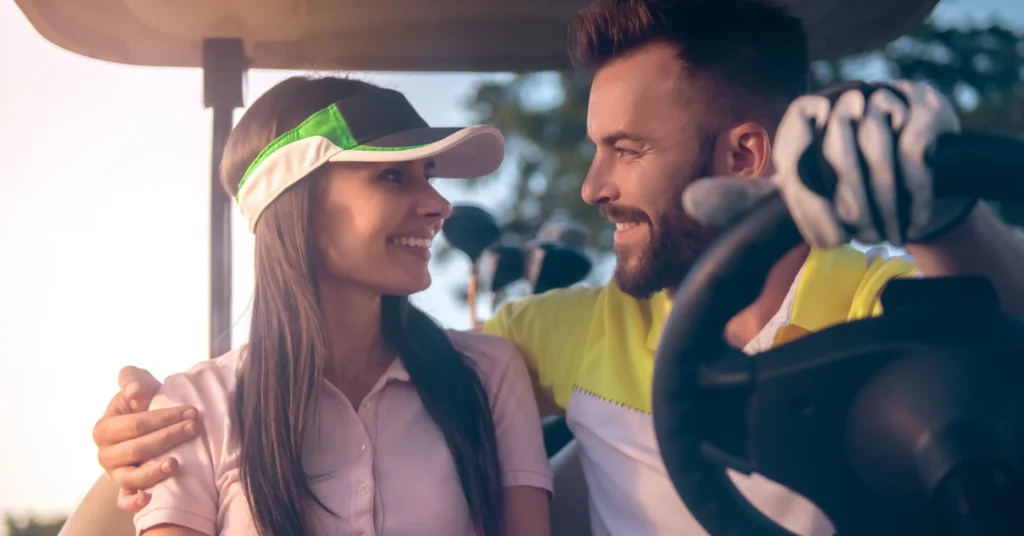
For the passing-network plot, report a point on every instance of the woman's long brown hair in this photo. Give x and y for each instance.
(283, 367)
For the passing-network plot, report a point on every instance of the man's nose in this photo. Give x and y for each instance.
(598, 186)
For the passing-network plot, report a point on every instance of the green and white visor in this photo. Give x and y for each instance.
(377, 125)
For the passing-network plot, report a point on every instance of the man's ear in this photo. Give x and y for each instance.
(744, 151)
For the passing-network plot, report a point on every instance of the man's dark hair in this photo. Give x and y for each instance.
(752, 53)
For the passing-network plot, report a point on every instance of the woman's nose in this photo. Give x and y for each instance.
(434, 205)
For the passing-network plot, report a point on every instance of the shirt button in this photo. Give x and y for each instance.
(364, 489)
(362, 448)
(368, 408)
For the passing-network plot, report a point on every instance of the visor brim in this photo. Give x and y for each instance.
(458, 153)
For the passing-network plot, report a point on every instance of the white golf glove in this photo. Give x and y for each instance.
(849, 163)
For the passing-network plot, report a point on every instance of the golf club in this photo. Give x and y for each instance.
(563, 229)
(555, 259)
(500, 265)
(471, 229)
(552, 265)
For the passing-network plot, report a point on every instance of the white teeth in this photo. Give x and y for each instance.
(625, 226)
(413, 242)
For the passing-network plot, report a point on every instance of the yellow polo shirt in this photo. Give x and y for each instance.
(592, 352)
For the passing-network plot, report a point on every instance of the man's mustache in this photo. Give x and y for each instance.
(624, 214)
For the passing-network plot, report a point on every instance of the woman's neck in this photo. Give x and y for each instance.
(352, 324)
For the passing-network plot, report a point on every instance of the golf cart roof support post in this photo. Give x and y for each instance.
(224, 68)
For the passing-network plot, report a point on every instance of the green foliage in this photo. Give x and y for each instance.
(982, 70)
(547, 141)
(32, 526)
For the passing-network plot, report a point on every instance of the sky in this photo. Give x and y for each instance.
(104, 238)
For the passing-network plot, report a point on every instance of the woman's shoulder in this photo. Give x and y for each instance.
(494, 357)
(483, 347)
(206, 383)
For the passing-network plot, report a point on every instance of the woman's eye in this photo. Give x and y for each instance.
(393, 175)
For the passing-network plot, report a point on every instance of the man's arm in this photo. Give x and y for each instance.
(131, 443)
(981, 245)
(545, 403)
(98, 513)
(550, 331)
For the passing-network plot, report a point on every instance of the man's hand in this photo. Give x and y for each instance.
(131, 440)
(849, 164)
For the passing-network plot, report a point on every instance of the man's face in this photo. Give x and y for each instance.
(645, 119)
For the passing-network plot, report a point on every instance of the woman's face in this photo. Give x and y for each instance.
(374, 224)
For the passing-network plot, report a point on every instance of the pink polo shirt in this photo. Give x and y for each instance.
(391, 473)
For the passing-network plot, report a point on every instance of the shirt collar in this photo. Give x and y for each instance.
(396, 371)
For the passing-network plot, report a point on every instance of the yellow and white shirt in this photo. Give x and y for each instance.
(592, 352)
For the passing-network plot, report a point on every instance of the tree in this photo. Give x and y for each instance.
(981, 70)
(547, 141)
(33, 527)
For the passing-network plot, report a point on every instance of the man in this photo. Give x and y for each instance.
(685, 89)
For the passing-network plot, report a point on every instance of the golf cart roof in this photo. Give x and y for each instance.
(406, 35)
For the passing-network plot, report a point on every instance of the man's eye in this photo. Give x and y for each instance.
(622, 151)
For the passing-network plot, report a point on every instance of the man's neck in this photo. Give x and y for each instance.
(750, 321)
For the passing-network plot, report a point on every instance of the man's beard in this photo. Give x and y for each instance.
(676, 242)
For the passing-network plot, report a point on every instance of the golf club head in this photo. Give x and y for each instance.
(562, 229)
(471, 229)
(501, 265)
(551, 265)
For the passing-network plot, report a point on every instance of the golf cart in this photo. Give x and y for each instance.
(225, 38)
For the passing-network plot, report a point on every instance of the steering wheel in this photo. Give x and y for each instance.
(909, 423)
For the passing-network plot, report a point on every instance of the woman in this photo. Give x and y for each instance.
(349, 411)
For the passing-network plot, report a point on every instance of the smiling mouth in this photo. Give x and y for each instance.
(625, 226)
(412, 242)
(629, 231)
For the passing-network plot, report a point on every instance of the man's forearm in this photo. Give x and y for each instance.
(982, 245)
(98, 514)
